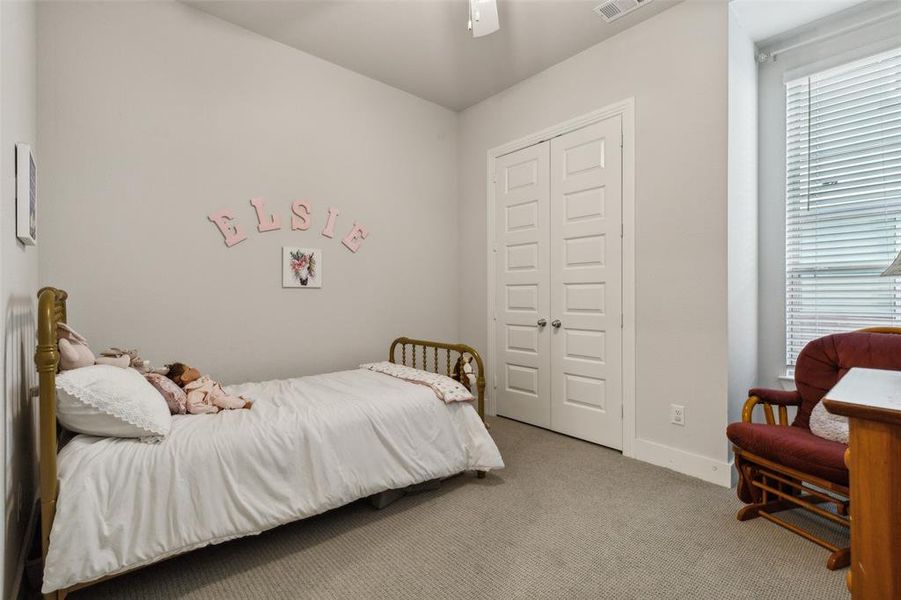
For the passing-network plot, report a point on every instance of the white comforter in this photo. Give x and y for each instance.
(308, 445)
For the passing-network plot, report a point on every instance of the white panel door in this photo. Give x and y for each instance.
(586, 283)
(521, 196)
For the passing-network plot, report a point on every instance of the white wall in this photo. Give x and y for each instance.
(771, 176)
(678, 77)
(155, 114)
(742, 223)
(18, 282)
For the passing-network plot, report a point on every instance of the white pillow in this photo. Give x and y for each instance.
(111, 401)
(447, 389)
(826, 425)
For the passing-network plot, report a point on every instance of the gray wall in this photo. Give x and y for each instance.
(154, 115)
(678, 78)
(742, 222)
(771, 176)
(18, 281)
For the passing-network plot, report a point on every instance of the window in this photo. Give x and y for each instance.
(843, 199)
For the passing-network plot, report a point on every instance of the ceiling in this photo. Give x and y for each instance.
(765, 19)
(423, 46)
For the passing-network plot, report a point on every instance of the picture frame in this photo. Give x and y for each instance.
(26, 195)
(301, 267)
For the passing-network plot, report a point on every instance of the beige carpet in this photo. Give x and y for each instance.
(566, 519)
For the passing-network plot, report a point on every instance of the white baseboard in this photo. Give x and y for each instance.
(695, 465)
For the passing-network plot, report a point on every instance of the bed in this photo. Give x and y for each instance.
(310, 444)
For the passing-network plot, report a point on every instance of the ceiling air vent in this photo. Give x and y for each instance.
(614, 9)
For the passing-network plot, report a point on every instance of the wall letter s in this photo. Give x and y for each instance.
(301, 219)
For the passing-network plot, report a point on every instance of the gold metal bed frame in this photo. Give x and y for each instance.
(52, 310)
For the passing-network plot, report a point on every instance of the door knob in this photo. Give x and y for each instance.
(542, 322)
(556, 323)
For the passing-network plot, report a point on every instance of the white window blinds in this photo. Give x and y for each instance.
(843, 199)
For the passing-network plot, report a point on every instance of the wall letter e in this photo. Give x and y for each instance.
(231, 231)
(354, 237)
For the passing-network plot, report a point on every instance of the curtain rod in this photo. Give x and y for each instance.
(764, 56)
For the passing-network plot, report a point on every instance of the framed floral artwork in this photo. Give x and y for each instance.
(301, 267)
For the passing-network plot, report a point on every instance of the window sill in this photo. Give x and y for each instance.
(787, 382)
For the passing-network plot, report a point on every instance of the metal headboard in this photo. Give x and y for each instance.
(424, 350)
(51, 311)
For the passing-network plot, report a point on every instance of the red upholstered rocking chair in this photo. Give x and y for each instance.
(782, 466)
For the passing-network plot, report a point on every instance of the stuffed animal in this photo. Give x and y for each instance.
(465, 374)
(73, 349)
(125, 358)
(204, 394)
(463, 371)
(468, 371)
(113, 361)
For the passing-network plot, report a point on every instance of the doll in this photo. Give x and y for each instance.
(204, 394)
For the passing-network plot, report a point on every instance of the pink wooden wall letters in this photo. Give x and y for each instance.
(329, 229)
(301, 219)
(355, 237)
(231, 231)
(272, 222)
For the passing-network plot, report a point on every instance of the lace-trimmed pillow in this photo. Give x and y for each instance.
(111, 401)
(447, 389)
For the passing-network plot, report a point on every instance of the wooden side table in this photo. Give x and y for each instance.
(871, 399)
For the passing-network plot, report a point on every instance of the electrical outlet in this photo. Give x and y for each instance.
(677, 414)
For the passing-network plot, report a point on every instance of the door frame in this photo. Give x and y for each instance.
(626, 110)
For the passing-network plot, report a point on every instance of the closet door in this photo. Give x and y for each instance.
(522, 311)
(586, 283)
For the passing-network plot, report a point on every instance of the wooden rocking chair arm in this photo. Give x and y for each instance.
(770, 398)
(777, 397)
